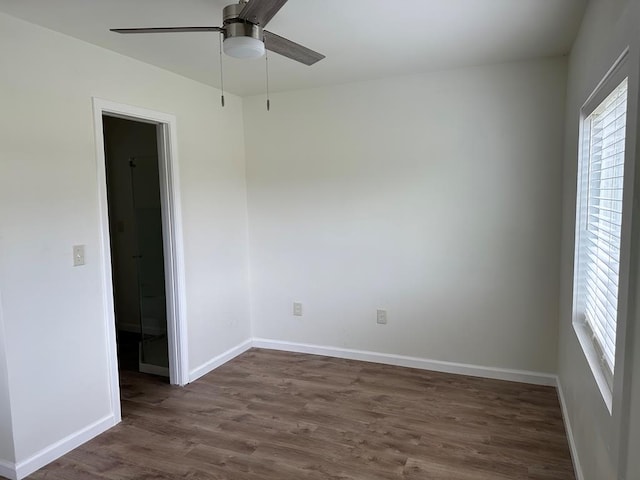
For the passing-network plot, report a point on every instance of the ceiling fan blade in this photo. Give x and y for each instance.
(167, 29)
(290, 49)
(260, 12)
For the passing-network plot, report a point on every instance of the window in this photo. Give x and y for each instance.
(599, 229)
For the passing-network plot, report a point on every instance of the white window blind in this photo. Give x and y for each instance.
(600, 214)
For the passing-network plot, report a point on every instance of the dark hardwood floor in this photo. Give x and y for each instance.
(278, 416)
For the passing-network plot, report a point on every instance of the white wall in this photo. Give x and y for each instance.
(53, 312)
(7, 454)
(608, 27)
(434, 197)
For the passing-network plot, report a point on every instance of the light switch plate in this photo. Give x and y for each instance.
(381, 317)
(297, 309)
(78, 255)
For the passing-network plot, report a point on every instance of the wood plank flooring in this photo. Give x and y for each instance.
(277, 416)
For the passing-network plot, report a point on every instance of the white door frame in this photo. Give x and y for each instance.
(172, 237)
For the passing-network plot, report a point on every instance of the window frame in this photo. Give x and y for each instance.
(610, 386)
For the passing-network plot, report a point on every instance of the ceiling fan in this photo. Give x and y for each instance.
(244, 34)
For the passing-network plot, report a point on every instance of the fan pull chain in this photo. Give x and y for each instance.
(266, 58)
(221, 75)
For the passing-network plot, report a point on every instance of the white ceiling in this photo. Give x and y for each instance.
(362, 39)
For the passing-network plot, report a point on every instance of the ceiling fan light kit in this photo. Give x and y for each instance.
(244, 34)
(243, 47)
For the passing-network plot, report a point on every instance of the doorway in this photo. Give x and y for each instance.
(137, 250)
(153, 310)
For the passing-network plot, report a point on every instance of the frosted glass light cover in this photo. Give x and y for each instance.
(243, 47)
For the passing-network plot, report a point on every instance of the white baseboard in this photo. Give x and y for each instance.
(219, 360)
(536, 378)
(61, 447)
(567, 427)
(8, 470)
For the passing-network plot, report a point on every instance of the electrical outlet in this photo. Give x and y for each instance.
(78, 255)
(297, 309)
(381, 317)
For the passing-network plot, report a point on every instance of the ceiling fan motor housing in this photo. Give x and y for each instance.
(241, 29)
(232, 12)
(236, 27)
